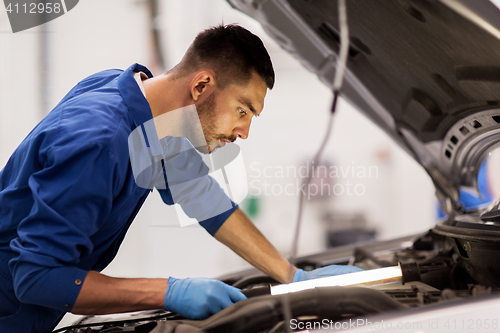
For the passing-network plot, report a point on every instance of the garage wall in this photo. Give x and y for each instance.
(96, 35)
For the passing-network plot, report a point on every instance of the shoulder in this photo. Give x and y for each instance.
(94, 119)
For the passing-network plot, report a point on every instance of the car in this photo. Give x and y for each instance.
(427, 72)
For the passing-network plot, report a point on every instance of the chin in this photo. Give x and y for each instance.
(204, 150)
(209, 148)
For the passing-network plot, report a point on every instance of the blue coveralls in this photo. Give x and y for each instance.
(68, 196)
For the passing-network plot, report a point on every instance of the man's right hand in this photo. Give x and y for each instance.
(199, 298)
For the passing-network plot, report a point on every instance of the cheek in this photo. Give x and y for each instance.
(224, 119)
(224, 122)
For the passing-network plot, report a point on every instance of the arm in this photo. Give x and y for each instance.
(101, 294)
(241, 236)
(193, 298)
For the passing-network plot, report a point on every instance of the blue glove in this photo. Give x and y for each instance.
(199, 298)
(301, 275)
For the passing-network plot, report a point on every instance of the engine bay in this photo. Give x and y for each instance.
(445, 279)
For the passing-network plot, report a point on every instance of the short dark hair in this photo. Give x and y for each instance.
(232, 52)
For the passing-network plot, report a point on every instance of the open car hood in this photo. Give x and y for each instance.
(425, 71)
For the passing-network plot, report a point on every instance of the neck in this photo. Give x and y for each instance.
(164, 93)
(173, 109)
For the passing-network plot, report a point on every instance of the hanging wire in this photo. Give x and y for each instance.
(337, 85)
(159, 58)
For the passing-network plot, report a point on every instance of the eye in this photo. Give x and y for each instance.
(242, 112)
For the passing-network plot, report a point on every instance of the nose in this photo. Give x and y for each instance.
(242, 129)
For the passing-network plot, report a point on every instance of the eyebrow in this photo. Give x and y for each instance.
(250, 106)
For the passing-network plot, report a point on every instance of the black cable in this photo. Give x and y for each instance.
(433, 266)
(115, 322)
(361, 253)
(254, 279)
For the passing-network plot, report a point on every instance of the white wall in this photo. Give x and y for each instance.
(101, 34)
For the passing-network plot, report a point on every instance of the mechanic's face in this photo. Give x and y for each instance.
(227, 113)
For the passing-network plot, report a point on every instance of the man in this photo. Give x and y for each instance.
(71, 189)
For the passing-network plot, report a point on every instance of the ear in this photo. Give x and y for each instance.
(202, 83)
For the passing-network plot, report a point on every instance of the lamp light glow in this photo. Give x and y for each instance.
(364, 278)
